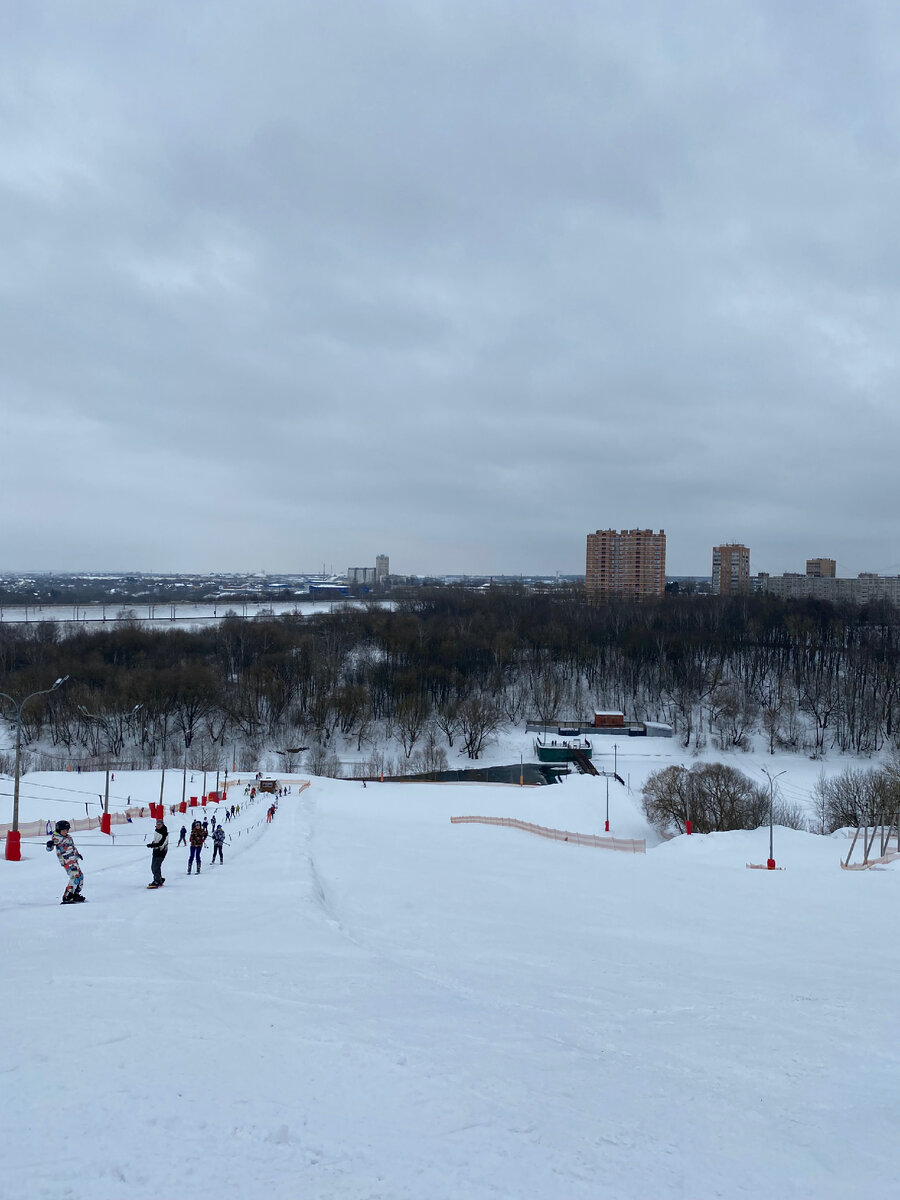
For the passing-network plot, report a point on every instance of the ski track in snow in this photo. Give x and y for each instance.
(368, 1002)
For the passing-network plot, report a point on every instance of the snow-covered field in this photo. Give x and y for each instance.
(369, 1002)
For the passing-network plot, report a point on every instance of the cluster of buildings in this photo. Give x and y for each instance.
(368, 576)
(631, 564)
(731, 575)
(859, 589)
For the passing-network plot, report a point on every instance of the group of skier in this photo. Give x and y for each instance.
(198, 836)
(69, 857)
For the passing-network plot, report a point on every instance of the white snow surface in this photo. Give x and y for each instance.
(368, 1002)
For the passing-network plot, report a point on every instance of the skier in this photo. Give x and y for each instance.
(218, 843)
(182, 837)
(198, 837)
(159, 844)
(62, 843)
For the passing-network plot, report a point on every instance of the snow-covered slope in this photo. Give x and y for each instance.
(367, 1001)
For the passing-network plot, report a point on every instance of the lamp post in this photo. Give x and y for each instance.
(13, 837)
(687, 802)
(771, 778)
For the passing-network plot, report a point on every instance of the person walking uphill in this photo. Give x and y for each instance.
(198, 837)
(159, 844)
(62, 843)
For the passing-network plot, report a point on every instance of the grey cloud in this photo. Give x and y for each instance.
(458, 283)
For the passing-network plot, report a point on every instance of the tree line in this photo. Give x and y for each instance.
(441, 671)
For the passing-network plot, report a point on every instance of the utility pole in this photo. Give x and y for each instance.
(687, 801)
(14, 837)
(105, 823)
(771, 778)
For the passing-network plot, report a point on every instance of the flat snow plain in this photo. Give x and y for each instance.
(369, 1002)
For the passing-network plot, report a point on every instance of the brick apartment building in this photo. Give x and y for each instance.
(821, 568)
(629, 563)
(730, 569)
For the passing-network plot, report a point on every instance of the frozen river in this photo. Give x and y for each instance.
(163, 615)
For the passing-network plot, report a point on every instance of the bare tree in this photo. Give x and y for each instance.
(411, 716)
(479, 718)
(712, 796)
(447, 719)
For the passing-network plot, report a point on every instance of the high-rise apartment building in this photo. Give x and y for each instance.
(821, 568)
(630, 563)
(730, 569)
(382, 567)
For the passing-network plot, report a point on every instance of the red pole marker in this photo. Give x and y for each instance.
(687, 828)
(105, 823)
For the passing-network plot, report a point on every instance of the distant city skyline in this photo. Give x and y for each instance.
(331, 565)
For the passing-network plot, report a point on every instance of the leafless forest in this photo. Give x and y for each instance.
(445, 670)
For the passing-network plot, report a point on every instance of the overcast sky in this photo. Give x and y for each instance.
(286, 284)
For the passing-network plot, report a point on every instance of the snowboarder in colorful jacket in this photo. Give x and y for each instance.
(62, 843)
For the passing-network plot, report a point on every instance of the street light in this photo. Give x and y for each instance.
(771, 778)
(13, 837)
(687, 801)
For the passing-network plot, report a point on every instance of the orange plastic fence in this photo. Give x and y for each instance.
(37, 828)
(891, 856)
(628, 845)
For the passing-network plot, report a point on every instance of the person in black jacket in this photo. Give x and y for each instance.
(218, 843)
(159, 844)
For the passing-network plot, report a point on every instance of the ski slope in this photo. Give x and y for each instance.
(369, 1002)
